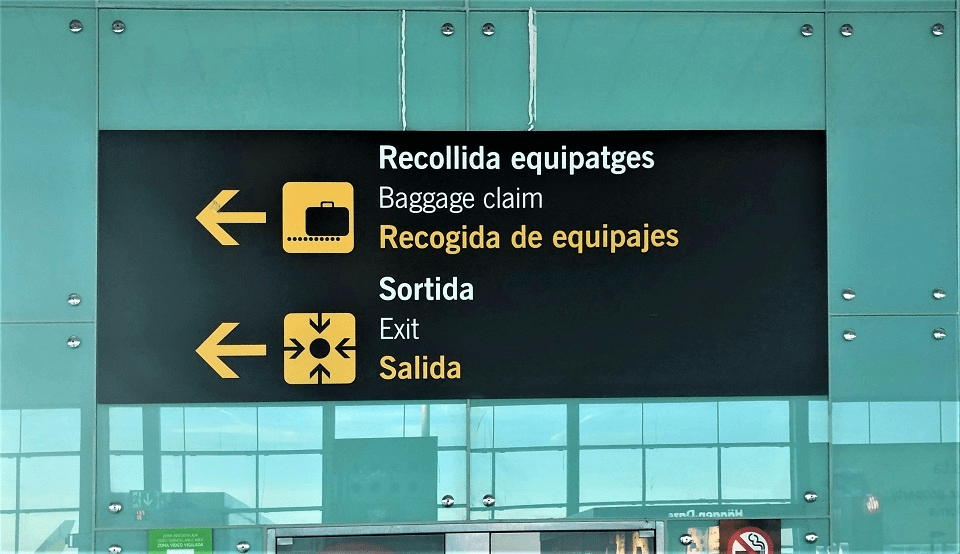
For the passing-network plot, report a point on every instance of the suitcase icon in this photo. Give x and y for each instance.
(327, 220)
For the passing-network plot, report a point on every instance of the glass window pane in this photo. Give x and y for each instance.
(481, 477)
(233, 475)
(530, 478)
(904, 422)
(611, 475)
(8, 532)
(290, 428)
(950, 421)
(172, 468)
(755, 473)
(171, 429)
(126, 428)
(755, 421)
(448, 422)
(530, 425)
(609, 424)
(681, 474)
(819, 424)
(291, 480)
(50, 430)
(396, 544)
(371, 421)
(50, 482)
(451, 475)
(9, 431)
(851, 423)
(126, 473)
(37, 528)
(680, 422)
(8, 484)
(220, 429)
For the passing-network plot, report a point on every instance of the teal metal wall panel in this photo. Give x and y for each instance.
(893, 358)
(48, 146)
(892, 163)
(249, 69)
(499, 71)
(435, 76)
(894, 468)
(679, 71)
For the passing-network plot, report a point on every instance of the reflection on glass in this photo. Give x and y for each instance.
(248, 464)
(50, 430)
(818, 423)
(126, 473)
(369, 421)
(612, 423)
(220, 429)
(126, 428)
(234, 476)
(290, 428)
(611, 475)
(9, 431)
(904, 422)
(39, 478)
(680, 423)
(755, 473)
(530, 478)
(682, 474)
(291, 480)
(754, 421)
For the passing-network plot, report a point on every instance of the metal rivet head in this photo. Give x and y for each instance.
(73, 299)
(810, 496)
(806, 30)
(115, 507)
(76, 26)
(243, 546)
(115, 549)
(118, 26)
(489, 500)
(446, 29)
(848, 294)
(446, 501)
(846, 29)
(488, 29)
(939, 333)
(73, 341)
(849, 335)
(686, 539)
(811, 538)
(937, 29)
(939, 294)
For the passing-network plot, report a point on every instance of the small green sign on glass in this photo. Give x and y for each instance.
(181, 541)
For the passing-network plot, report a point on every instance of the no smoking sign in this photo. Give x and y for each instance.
(750, 536)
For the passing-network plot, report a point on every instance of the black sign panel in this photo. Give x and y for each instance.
(295, 266)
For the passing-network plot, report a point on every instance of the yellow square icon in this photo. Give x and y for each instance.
(317, 218)
(319, 348)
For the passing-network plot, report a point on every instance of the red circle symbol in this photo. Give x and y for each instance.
(749, 540)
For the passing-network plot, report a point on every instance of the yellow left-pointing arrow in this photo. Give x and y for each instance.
(211, 350)
(211, 217)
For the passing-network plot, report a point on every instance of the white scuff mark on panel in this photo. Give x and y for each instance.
(532, 101)
(403, 68)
